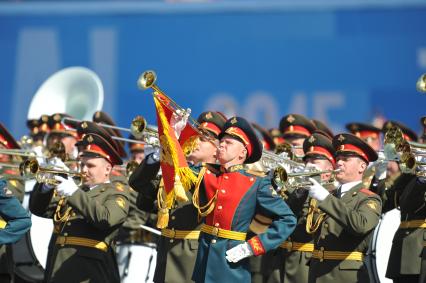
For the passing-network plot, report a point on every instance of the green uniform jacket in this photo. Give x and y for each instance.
(408, 244)
(96, 214)
(17, 187)
(175, 257)
(347, 227)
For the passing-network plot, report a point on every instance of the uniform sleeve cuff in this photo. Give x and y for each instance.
(256, 246)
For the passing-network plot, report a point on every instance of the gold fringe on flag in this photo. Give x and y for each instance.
(184, 177)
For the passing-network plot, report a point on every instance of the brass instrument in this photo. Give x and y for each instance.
(421, 83)
(19, 152)
(138, 128)
(30, 169)
(147, 80)
(128, 168)
(271, 161)
(299, 180)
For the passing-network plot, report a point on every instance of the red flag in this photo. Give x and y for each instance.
(177, 175)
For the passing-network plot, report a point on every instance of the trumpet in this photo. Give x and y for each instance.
(421, 83)
(128, 168)
(147, 80)
(271, 160)
(298, 180)
(31, 169)
(20, 152)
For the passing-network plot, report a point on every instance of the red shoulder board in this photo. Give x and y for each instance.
(367, 192)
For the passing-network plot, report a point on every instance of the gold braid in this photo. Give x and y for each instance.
(312, 227)
(57, 217)
(208, 208)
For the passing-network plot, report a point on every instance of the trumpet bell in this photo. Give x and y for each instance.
(76, 91)
(147, 79)
(421, 83)
(138, 126)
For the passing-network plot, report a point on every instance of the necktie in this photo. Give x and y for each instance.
(339, 192)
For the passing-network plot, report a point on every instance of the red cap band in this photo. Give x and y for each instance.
(211, 127)
(96, 149)
(367, 134)
(321, 151)
(294, 129)
(354, 149)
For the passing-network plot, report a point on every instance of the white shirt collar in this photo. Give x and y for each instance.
(346, 187)
(94, 186)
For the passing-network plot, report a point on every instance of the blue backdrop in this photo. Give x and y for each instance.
(261, 60)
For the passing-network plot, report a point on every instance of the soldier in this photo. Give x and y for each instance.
(87, 218)
(295, 128)
(13, 186)
(323, 128)
(297, 250)
(351, 214)
(178, 244)
(407, 260)
(366, 132)
(228, 197)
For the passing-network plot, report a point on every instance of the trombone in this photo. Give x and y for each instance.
(20, 152)
(147, 80)
(31, 169)
(138, 128)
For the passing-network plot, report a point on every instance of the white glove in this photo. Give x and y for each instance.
(239, 252)
(57, 163)
(67, 186)
(317, 191)
(380, 171)
(39, 152)
(178, 121)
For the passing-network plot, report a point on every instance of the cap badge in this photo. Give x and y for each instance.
(45, 118)
(424, 122)
(354, 127)
(209, 115)
(57, 117)
(234, 120)
(98, 114)
(84, 125)
(290, 119)
(389, 125)
(341, 138)
(311, 139)
(90, 138)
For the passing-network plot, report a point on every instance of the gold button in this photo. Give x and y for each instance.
(68, 223)
(323, 237)
(208, 172)
(251, 179)
(171, 240)
(223, 191)
(216, 224)
(407, 232)
(219, 207)
(173, 217)
(226, 177)
(65, 234)
(325, 225)
(214, 241)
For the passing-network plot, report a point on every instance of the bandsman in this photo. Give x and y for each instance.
(86, 217)
(351, 213)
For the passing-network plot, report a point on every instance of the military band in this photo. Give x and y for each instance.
(292, 204)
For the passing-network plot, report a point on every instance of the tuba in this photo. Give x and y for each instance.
(76, 91)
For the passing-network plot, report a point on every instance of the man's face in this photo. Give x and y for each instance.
(138, 156)
(373, 142)
(96, 169)
(352, 168)
(204, 151)
(321, 164)
(298, 143)
(231, 151)
(69, 142)
(392, 169)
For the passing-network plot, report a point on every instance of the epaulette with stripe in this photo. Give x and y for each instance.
(256, 173)
(367, 192)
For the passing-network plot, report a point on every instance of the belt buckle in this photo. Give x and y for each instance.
(61, 240)
(215, 231)
(289, 246)
(321, 254)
